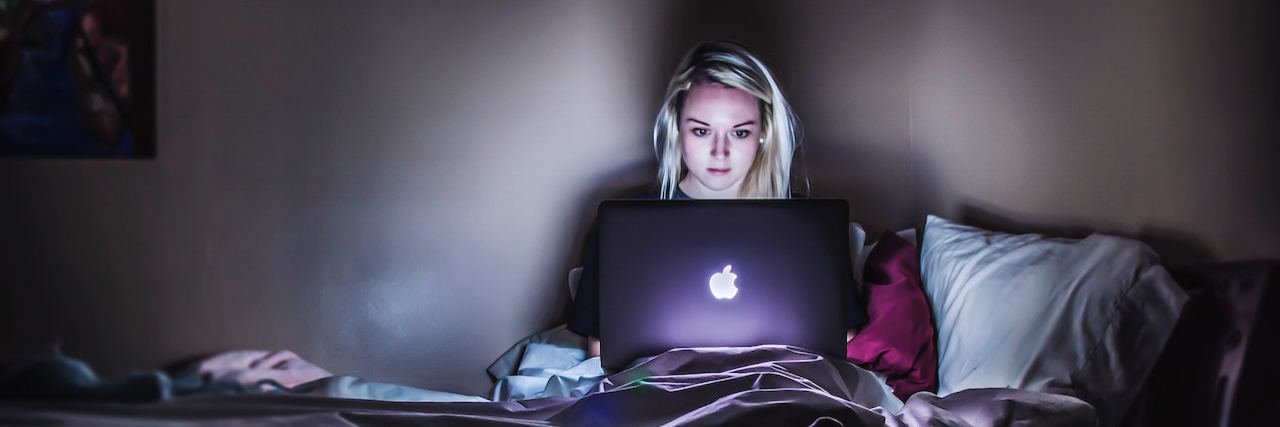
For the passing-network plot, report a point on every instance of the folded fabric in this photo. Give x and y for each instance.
(760, 385)
(285, 372)
(764, 385)
(545, 364)
(898, 340)
(992, 407)
(551, 363)
(249, 367)
(349, 387)
(58, 377)
(576, 381)
(542, 359)
(509, 362)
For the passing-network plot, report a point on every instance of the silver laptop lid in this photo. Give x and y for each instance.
(717, 273)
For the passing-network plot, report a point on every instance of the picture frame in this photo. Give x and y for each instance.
(77, 78)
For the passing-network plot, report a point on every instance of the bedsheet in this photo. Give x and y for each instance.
(546, 364)
(778, 385)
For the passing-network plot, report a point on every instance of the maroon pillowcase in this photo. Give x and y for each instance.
(898, 340)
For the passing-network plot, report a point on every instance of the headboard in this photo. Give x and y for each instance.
(1220, 361)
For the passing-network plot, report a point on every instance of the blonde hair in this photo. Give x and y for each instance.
(732, 65)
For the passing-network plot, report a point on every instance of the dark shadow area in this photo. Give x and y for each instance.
(634, 180)
(1259, 373)
(188, 363)
(1175, 247)
(754, 24)
(866, 175)
(1256, 23)
(1219, 362)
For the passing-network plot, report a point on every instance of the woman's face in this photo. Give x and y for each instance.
(719, 135)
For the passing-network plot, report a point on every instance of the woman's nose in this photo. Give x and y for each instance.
(720, 145)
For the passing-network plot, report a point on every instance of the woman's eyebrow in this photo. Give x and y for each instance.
(748, 122)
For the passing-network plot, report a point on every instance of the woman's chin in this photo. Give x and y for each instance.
(719, 185)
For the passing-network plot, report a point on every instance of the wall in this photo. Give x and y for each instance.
(851, 90)
(395, 189)
(1143, 118)
(391, 189)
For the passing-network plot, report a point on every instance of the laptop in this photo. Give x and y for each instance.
(722, 273)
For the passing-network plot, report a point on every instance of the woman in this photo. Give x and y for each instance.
(724, 131)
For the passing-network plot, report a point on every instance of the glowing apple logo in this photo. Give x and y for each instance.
(722, 284)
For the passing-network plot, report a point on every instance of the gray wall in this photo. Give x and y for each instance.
(1144, 118)
(852, 63)
(391, 189)
(395, 189)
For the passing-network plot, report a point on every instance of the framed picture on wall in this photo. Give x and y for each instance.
(77, 78)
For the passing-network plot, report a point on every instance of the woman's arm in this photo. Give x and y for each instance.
(584, 317)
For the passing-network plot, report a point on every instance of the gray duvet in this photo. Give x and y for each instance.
(765, 385)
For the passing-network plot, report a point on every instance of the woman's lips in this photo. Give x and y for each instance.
(717, 172)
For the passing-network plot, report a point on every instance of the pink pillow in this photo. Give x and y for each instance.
(898, 340)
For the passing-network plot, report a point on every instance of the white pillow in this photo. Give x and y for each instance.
(1086, 318)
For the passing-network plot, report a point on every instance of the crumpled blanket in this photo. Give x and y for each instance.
(58, 377)
(993, 407)
(249, 367)
(295, 375)
(764, 385)
(546, 364)
(550, 363)
(349, 387)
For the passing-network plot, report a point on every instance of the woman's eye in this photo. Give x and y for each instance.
(700, 132)
(742, 133)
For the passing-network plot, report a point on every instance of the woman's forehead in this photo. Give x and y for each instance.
(709, 102)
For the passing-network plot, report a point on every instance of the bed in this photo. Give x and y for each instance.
(765, 385)
(1212, 367)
